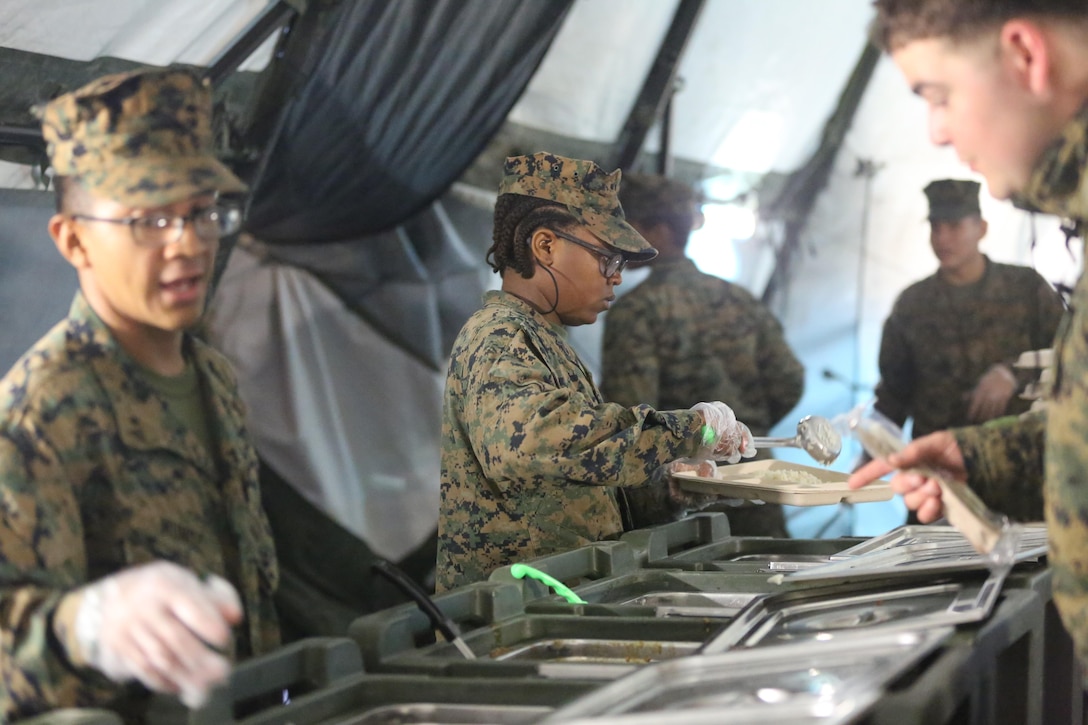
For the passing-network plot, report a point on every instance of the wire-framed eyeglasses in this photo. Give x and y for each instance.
(610, 263)
(160, 230)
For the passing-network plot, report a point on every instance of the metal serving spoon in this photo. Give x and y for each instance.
(815, 435)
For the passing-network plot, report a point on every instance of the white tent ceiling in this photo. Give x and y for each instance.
(157, 32)
(759, 80)
(756, 75)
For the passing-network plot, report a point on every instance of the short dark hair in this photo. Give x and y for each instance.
(70, 196)
(898, 22)
(516, 218)
(651, 199)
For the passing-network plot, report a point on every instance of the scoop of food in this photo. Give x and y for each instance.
(815, 435)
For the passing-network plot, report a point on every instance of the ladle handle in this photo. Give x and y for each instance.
(764, 442)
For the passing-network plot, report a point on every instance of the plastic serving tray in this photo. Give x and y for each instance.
(770, 481)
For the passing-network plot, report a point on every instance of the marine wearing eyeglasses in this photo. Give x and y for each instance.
(134, 551)
(533, 459)
(156, 229)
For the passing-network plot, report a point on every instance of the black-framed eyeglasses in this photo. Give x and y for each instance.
(609, 262)
(160, 230)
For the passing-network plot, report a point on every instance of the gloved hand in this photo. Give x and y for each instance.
(157, 623)
(689, 501)
(991, 394)
(732, 440)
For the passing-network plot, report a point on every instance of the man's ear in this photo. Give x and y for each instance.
(66, 237)
(542, 245)
(1027, 50)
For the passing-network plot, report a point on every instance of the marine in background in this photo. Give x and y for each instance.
(948, 347)
(683, 335)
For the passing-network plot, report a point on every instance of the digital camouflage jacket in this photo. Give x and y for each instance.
(96, 475)
(683, 336)
(531, 453)
(1005, 458)
(940, 340)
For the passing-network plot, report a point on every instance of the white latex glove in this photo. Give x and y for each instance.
(158, 623)
(732, 440)
(689, 501)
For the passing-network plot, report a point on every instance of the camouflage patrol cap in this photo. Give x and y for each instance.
(586, 191)
(951, 199)
(141, 138)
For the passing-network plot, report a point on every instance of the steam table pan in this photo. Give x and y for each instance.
(537, 645)
(913, 551)
(832, 612)
(740, 554)
(373, 699)
(809, 682)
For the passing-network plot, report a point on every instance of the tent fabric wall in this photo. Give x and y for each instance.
(350, 420)
(36, 284)
(415, 284)
(154, 32)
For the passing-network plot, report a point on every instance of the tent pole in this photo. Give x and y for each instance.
(664, 156)
(658, 86)
(271, 20)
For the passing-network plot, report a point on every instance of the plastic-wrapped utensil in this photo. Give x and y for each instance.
(990, 533)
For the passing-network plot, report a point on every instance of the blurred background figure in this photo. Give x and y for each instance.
(948, 348)
(683, 335)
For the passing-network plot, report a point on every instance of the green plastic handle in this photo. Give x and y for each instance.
(708, 435)
(520, 571)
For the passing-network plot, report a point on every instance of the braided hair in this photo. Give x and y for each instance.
(516, 218)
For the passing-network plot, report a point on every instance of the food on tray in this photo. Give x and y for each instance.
(792, 476)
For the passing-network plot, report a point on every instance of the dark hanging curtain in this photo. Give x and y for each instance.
(402, 98)
(385, 104)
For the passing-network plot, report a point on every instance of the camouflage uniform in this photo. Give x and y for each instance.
(532, 456)
(1004, 457)
(940, 339)
(96, 475)
(531, 453)
(683, 336)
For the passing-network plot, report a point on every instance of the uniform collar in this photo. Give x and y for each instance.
(144, 422)
(666, 265)
(1059, 183)
(508, 299)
